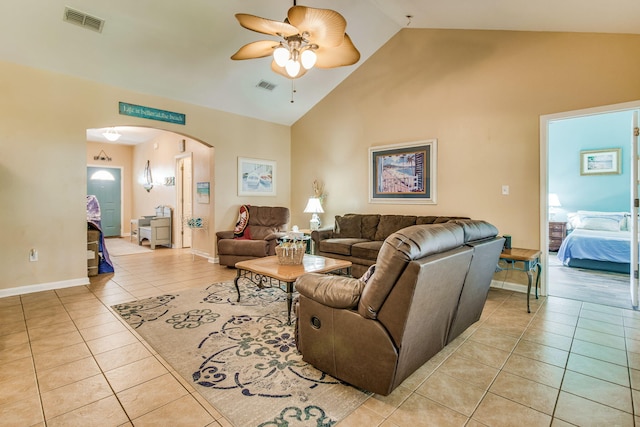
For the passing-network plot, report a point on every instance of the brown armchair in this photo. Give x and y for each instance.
(429, 285)
(266, 224)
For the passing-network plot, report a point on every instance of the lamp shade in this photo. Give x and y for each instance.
(554, 201)
(313, 206)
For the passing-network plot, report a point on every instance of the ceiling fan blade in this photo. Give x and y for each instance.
(325, 27)
(258, 49)
(345, 54)
(265, 26)
(280, 70)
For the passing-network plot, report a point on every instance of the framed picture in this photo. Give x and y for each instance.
(202, 192)
(403, 173)
(600, 162)
(256, 177)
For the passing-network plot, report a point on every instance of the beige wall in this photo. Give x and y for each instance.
(481, 94)
(43, 122)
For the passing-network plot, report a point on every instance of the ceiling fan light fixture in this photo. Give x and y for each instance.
(293, 67)
(315, 37)
(281, 55)
(308, 59)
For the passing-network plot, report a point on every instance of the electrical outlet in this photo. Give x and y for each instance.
(33, 255)
(505, 190)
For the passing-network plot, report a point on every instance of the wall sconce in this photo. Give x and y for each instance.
(314, 207)
(148, 180)
(102, 156)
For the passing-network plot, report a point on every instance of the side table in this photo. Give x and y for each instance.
(525, 260)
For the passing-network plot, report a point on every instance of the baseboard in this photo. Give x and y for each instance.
(510, 286)
(40, 287)
(202, 254)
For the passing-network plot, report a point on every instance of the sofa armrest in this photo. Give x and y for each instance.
(321, 234)
(227, 234)
(330, 290)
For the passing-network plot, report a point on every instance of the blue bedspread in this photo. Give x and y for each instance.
(612, 246)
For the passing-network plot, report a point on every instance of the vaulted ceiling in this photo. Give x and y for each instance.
(181, 49)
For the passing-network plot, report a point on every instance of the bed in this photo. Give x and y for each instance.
(597, 241)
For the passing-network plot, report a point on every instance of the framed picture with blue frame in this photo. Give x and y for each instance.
(403, 173)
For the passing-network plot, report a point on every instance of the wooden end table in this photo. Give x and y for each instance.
(530, 259)
(268, 273)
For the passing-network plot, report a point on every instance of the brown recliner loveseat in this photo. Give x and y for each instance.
(266, 224)
(430, 284)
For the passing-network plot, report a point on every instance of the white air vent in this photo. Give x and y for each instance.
(80, 18)
(263, 84)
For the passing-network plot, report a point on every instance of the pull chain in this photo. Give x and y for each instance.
(293, 90)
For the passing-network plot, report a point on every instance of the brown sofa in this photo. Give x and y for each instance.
(430, 284)
(358, 237)
(266, 224)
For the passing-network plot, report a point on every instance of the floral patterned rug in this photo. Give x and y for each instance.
(241, 356)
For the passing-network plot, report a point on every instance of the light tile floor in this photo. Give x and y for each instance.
(66, 359)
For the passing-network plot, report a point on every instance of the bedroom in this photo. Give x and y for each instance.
(589, 175)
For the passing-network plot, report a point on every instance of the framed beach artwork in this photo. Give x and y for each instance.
(403, 173)
(256, 177)
(600, 162)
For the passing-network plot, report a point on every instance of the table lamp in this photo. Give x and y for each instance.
(314, 207)
(554, 204)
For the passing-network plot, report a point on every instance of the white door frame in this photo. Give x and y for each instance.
(179, 195)
(544, 161)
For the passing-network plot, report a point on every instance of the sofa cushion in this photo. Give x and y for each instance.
(391, 223)
(366, 250)
(251, 248)
(369, 225)
(348, 226)
(259, 232)
(338, 246)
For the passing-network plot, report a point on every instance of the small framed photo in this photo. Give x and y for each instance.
(600, 162)
(256, 177)
(403, 173)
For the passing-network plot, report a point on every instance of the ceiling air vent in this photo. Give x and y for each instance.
(80, 18)
(263, 84)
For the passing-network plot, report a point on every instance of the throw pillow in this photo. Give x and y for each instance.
(241, 225)
(348, 226)
(367, 274)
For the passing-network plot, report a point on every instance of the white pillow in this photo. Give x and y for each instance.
(597, 220)
(600, 223)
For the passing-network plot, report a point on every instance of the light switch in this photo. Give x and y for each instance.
(505, 190)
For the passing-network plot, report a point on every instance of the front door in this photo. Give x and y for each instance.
(104, 183)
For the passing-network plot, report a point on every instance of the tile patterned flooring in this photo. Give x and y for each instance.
(66, 359)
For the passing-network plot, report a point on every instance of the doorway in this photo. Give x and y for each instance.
(105, 184)
(566, 190)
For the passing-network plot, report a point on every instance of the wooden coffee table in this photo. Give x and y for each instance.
(267, 273)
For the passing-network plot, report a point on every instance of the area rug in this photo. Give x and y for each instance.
(119, 247)
(241, 356)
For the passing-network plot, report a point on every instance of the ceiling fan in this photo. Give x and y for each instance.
(309, 37)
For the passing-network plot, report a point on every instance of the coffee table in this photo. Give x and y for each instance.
(268, 273)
